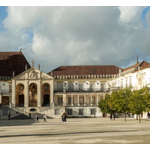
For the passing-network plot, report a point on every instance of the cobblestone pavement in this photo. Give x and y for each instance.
(75, 131)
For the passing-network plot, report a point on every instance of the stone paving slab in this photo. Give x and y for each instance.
(75, 131)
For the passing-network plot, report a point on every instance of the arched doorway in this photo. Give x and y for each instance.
(46, 100)
(20, 95)
(21, 100)
(5, 100)
(46, 94)
(33, 95)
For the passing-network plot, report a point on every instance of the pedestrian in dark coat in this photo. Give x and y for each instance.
(111, 116)
(114, 116)
(9, 116)
(30, 115)
(64, 117)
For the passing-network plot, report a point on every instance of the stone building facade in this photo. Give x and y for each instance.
(75, 90)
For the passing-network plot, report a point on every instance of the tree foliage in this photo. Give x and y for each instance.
(125, 100)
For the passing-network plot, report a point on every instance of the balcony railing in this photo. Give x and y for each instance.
(84, 90)
(115, 88)
(3, 91)
(77, 104)
(58, 104)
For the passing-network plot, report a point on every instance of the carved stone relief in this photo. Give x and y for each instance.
(33, 75)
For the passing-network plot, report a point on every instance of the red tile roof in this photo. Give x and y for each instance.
(142, 64)
(12, 61)
(85, 70)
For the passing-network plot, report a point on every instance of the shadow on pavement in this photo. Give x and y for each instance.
(53, 134)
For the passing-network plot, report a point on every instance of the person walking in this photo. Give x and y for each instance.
(30, 115)
(37, 118)
(64, 116)
(44, 118)
(9, 116)
(111, 116)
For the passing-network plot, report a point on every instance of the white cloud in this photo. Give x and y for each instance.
(77, 35)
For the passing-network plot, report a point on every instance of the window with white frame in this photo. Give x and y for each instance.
(69, 111)
(80, 111)
(92, 111)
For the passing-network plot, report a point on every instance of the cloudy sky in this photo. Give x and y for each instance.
(56, 36)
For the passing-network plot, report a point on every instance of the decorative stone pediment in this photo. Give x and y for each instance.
(33, 73)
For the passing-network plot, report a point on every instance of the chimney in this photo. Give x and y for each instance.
(51, 73)
(119, 71)
(39, 66)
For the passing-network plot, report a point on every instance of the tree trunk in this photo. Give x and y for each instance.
(125, 116)
(139, 118)
(136, 117)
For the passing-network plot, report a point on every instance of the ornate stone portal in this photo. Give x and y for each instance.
(33, 95)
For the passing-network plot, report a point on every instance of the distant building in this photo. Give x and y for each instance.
(75, 90)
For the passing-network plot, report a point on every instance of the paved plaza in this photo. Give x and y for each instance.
(75, 131)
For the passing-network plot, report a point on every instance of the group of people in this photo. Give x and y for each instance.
(63, 117)
(112, 116)
(44, 118)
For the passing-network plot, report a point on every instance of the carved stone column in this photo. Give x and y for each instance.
(91, 100)
(78, 101)
(64, 99)
(52, 92)
(26, 102)
(13, 93)
(71, 100)
(84, 100)
(39, 93)
(97, 99)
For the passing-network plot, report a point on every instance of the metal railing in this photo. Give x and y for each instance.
(82, 104)
(45, 105)
(84, 90)
(19, 105)
(32, 104)
(115, 88)
(58, 104)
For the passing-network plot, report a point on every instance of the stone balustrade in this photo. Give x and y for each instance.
(86, 76)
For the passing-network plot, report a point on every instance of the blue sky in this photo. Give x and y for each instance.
(3, 12)
(55, 36)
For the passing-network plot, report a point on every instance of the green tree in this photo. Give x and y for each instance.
(106, 104)
(139, 101)
(122, 100)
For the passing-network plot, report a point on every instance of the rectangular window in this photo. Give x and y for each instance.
(92, 111)
(81, 100)
(69, 111)
(130, 81)
(59, 100)
(121, 83)
(57, 111)
(93, 100)
(69, 100)
(80, 111)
